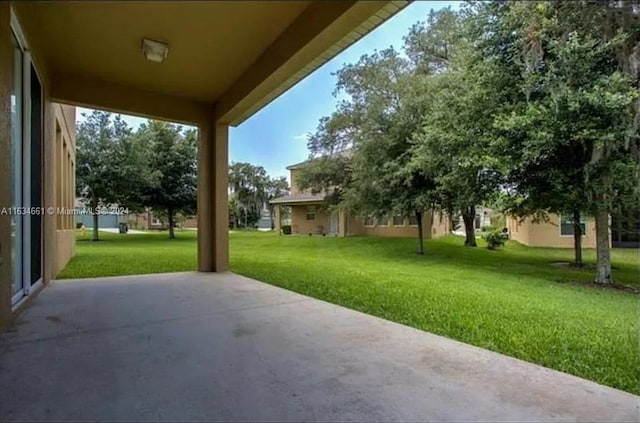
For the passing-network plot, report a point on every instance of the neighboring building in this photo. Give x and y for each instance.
(105, 221)
(64, 172)
(310, 215)
(98, 55)
(484, 216)
(148, 221)
(557, 232)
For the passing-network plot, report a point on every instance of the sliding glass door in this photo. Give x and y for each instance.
(26, 171)
(17, 96)
(35, 178)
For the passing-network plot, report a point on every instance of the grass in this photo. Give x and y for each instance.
(511, 300)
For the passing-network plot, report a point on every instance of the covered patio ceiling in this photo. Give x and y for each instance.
(229, 58)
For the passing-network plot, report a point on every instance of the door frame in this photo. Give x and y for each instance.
(25, 170)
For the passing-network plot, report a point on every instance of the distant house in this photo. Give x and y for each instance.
(557, 232)
(483, 218)
(107, 220)
(310, 215)
(148, 221)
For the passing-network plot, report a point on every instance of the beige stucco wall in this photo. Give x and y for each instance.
(434, 226)
(293, 176)
(301, 226)
(65, 250)
(440, 225)
(388, 229)
(547, 234)
(355, 225)
(518, 230)
(63, 138)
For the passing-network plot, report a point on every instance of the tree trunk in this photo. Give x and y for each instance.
(172, 234)
(469, 216)
(619, 224)
(420, 237)
(96, 222)
(577, 239)
(452, 221)
(603, 276)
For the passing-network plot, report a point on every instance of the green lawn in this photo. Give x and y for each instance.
(511, 300)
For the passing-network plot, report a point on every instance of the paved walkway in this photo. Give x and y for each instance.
(191, 346)
(117, 231)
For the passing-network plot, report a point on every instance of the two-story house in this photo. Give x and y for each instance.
(311, 215)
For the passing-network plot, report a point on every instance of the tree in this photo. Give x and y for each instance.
(131, 158)
(452, 144)
(250, 190)
(108, 161)
(276, 187)
(328, 169)
(249, 186)
(570, 126)
(360, 153)
(173, 164)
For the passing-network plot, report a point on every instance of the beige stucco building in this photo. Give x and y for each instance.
(310, 215)
(64, 175)
(148, 221)
(556, 232)
(207, 64)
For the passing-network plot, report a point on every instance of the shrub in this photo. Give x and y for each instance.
(494, 240)
(486, 228)
(286, 229)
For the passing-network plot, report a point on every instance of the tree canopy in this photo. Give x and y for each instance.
(531, 105)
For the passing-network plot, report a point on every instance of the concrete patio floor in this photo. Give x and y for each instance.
(190, 346)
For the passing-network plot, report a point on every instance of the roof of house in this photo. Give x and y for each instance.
(303, 197)
(345, 153)
(297, 165)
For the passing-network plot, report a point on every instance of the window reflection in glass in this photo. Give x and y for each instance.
(16, 168)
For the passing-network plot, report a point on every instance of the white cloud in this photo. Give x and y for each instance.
(301, 137)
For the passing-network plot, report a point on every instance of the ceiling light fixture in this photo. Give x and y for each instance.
(155, 51)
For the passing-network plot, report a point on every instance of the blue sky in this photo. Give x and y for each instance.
(275, 137)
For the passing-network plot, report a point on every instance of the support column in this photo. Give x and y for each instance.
(213, 212)
(277, 222)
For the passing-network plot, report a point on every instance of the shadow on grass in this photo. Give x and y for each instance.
(514, 259)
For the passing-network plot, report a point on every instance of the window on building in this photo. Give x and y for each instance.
(398, 220)
(369, 221)
(566, 226)
(384, 220)
(311, 213)
(413, 220)
(155, 221)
